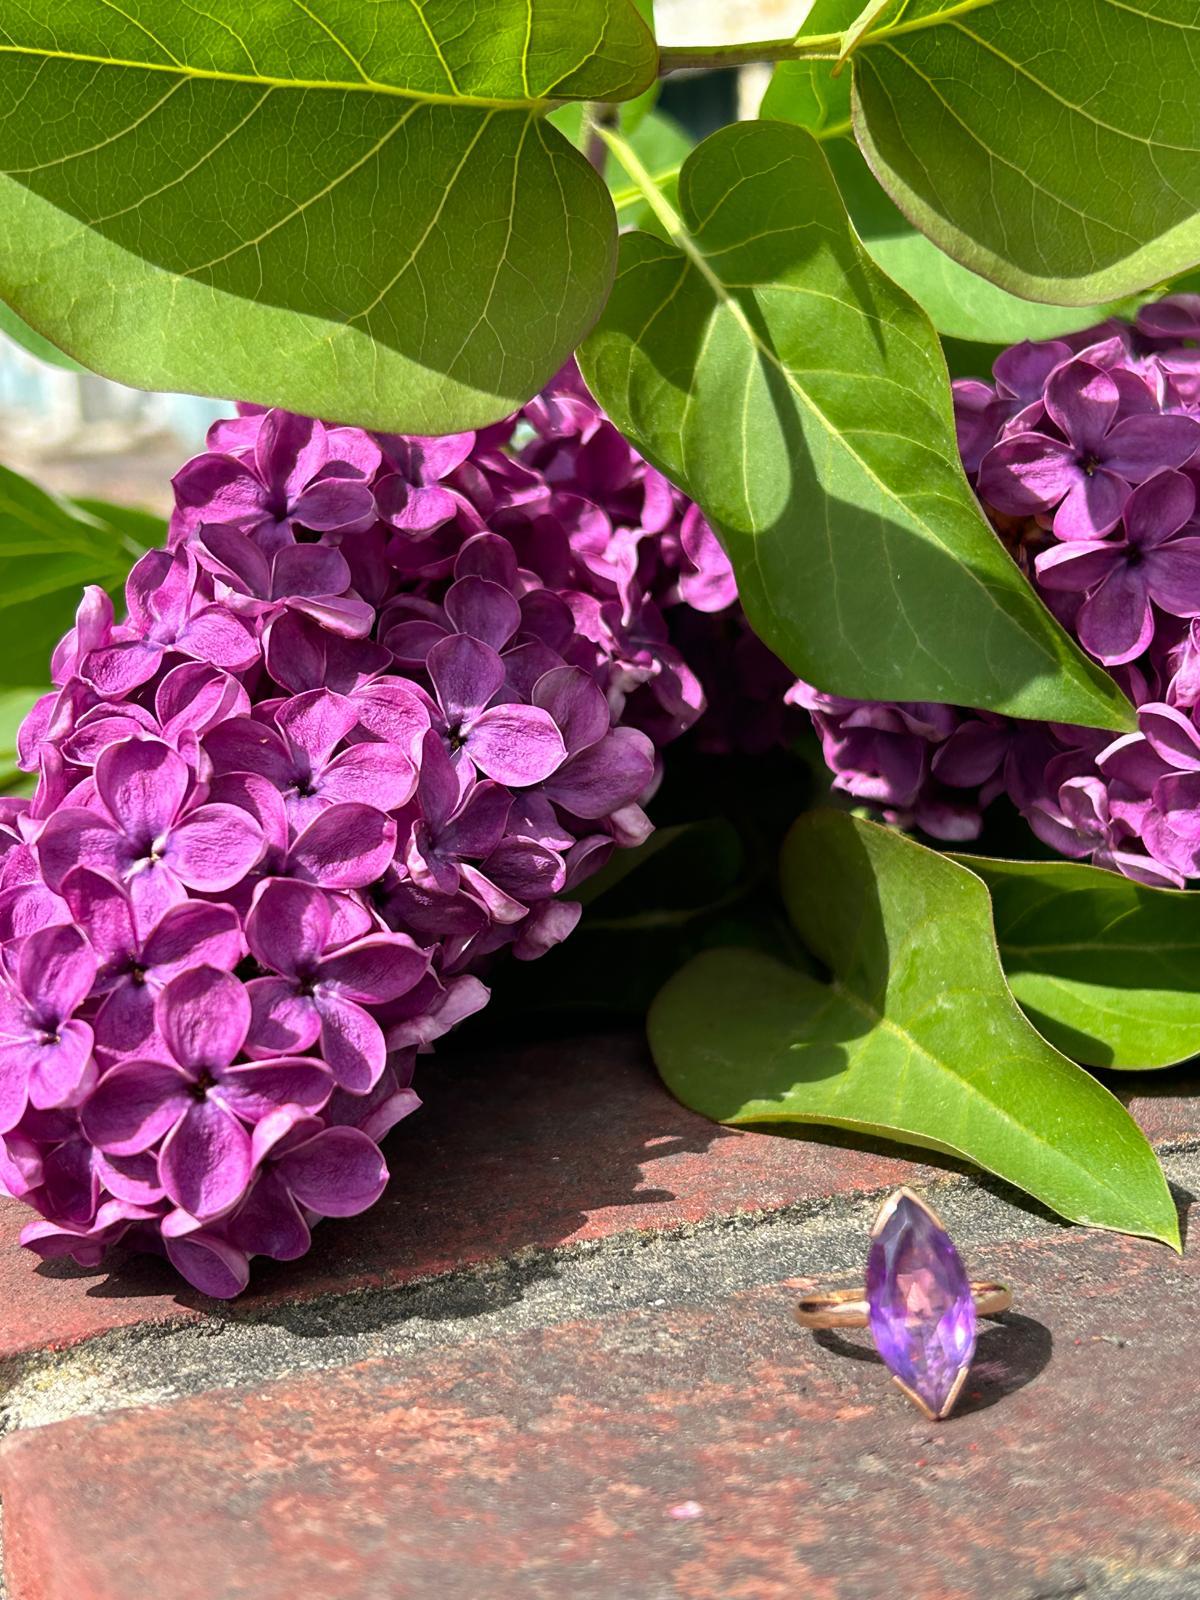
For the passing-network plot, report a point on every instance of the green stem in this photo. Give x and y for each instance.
(809, 47)
(707, 58)
(644, 180)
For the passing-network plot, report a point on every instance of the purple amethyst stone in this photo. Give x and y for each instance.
(919, 1302)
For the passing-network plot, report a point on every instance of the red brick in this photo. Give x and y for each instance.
(554, 1145)
(548, 1464)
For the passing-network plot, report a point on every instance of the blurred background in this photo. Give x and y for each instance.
(81, 435)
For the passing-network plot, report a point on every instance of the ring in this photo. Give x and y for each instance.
(917, 1301)
(847, 1308)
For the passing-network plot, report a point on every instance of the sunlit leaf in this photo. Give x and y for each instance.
(915, 1035)
(362, 214)
(763, 361)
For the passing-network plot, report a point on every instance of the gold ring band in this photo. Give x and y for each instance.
(847, 1308)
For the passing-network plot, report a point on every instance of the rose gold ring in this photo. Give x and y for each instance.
(918, 1302)
(847, 1308)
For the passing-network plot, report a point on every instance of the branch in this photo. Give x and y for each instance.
(707, 58)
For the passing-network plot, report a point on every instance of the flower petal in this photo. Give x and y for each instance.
(1159, 507)
(376, 969)
(1082, 400)
(1028, 473)
(215, 635)
(606, 776)
(56, 969)
(194, 934)
(1141, 446)
(270, 1223)
(133, 1105)
(346, 847)
(205, 1160)
(74, 837)
(515, 745)
(466, 675)
(1172, 576)
(243, 744)
(577, 704)
(288, 927)
(1115, 622)
(314, 724)
(125, 1024)
(338, 1173)
(144, 783)
(214, 847)
(1082, 564)
(351, 1042)
(204, 1015)
(1093, 506)
(209, 1264)
(103, 910)
(282, 1020)
(1172, 735)
(482, 610)
(63, 1071)
(256, 1088)
(380, 775)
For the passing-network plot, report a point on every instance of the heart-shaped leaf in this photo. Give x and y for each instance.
(915, 1035)
(1054, 148)
(763, 361)
(1107, 969)
(361, 214)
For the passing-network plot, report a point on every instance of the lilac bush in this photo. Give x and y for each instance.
(1085, 453)
(374, 712)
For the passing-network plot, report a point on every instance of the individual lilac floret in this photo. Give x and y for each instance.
(197, 1103)
(378, 707)
(45, 1050)
(1121, 577)
(1107, 439)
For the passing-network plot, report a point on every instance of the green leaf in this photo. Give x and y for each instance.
(15, 705)
(807, 93)
(960, 303)
(12, 326)
(1107, 969)
(915, 1035)
(362, 214)
(763, 362)
(1054, 148)
(49, 549)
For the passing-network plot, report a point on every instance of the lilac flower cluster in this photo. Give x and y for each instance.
(1085, 453)
(375, 710)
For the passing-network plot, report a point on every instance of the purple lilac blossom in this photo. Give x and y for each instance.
(1085, 454)
(374, 713)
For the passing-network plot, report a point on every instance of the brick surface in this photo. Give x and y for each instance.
(685, 1451)
(553, 1145)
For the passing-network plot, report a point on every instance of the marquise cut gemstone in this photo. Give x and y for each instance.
(919, 1303)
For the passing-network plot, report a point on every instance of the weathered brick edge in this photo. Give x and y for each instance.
(546, 1148)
